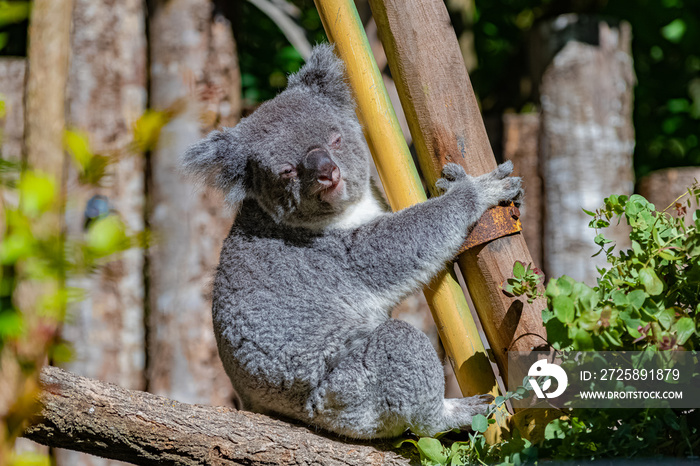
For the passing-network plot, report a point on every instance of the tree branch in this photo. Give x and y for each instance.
(102, 419)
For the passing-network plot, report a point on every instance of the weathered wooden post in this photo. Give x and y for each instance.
(662, 188)
(403, 187)
(584, 69)
(193, 69)
(446, 126)
(106, 94)
(521, 134)
(44, 125)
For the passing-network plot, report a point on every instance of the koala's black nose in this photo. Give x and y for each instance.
(320, 165)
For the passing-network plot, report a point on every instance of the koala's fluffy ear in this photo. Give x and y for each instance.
(324, 73)
(217, 162)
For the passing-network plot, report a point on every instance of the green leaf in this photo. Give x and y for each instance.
(637, 248)
(16, 245)
(631, 323)
(147, 129)
(588, 212)
(547, 315)
(76, 144)
(61, 353)
(552, 289)
(666, 254)
(674, 31)
(566, 284)
(14, 12)
(667, 317)
(582, 339)
(555, 430)
(657, 238)
(650, 281)
(619, 298)
(557, 334)
(563, 308)
(11, 324)
(685, 328)
(613, 338)
(106, 236)
(480, 423)
(600, 240)
(399, 442)
(432, 449)
(518, 270)
(37, 193)
(585, 295)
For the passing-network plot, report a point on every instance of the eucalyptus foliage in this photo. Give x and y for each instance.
(647, 298)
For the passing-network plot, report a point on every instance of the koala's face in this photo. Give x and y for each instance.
(307, 158)
(301, 155)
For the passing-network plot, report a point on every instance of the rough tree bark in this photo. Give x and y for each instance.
(45, 91)
(44, 124)
(587, 136)
(106, 95)
(141, 428)
(193, 70)
(12, 74)
(521, 145)
(662, 187)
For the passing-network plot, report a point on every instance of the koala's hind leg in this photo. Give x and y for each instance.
(393, 381)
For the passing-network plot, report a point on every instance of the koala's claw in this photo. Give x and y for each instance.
(451, 173)
(514, 192)
(503, 170)
(498, 187)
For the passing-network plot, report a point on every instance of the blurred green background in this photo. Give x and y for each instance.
(666, 51)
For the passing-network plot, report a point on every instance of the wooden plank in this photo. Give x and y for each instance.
(446, 125)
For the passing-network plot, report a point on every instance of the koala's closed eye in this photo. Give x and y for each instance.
(336, 139)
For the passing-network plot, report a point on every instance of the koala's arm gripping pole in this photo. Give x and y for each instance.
(403, 187)
(446, 125)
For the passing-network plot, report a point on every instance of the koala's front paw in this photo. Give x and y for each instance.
(451, 174)
(498, 187)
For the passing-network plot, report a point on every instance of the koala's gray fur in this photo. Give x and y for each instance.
(313, 266)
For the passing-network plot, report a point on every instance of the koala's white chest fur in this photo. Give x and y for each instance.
(359, 213)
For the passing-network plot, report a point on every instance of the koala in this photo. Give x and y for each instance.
(313, 265)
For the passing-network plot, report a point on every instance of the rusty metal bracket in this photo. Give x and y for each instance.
(497, 222)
